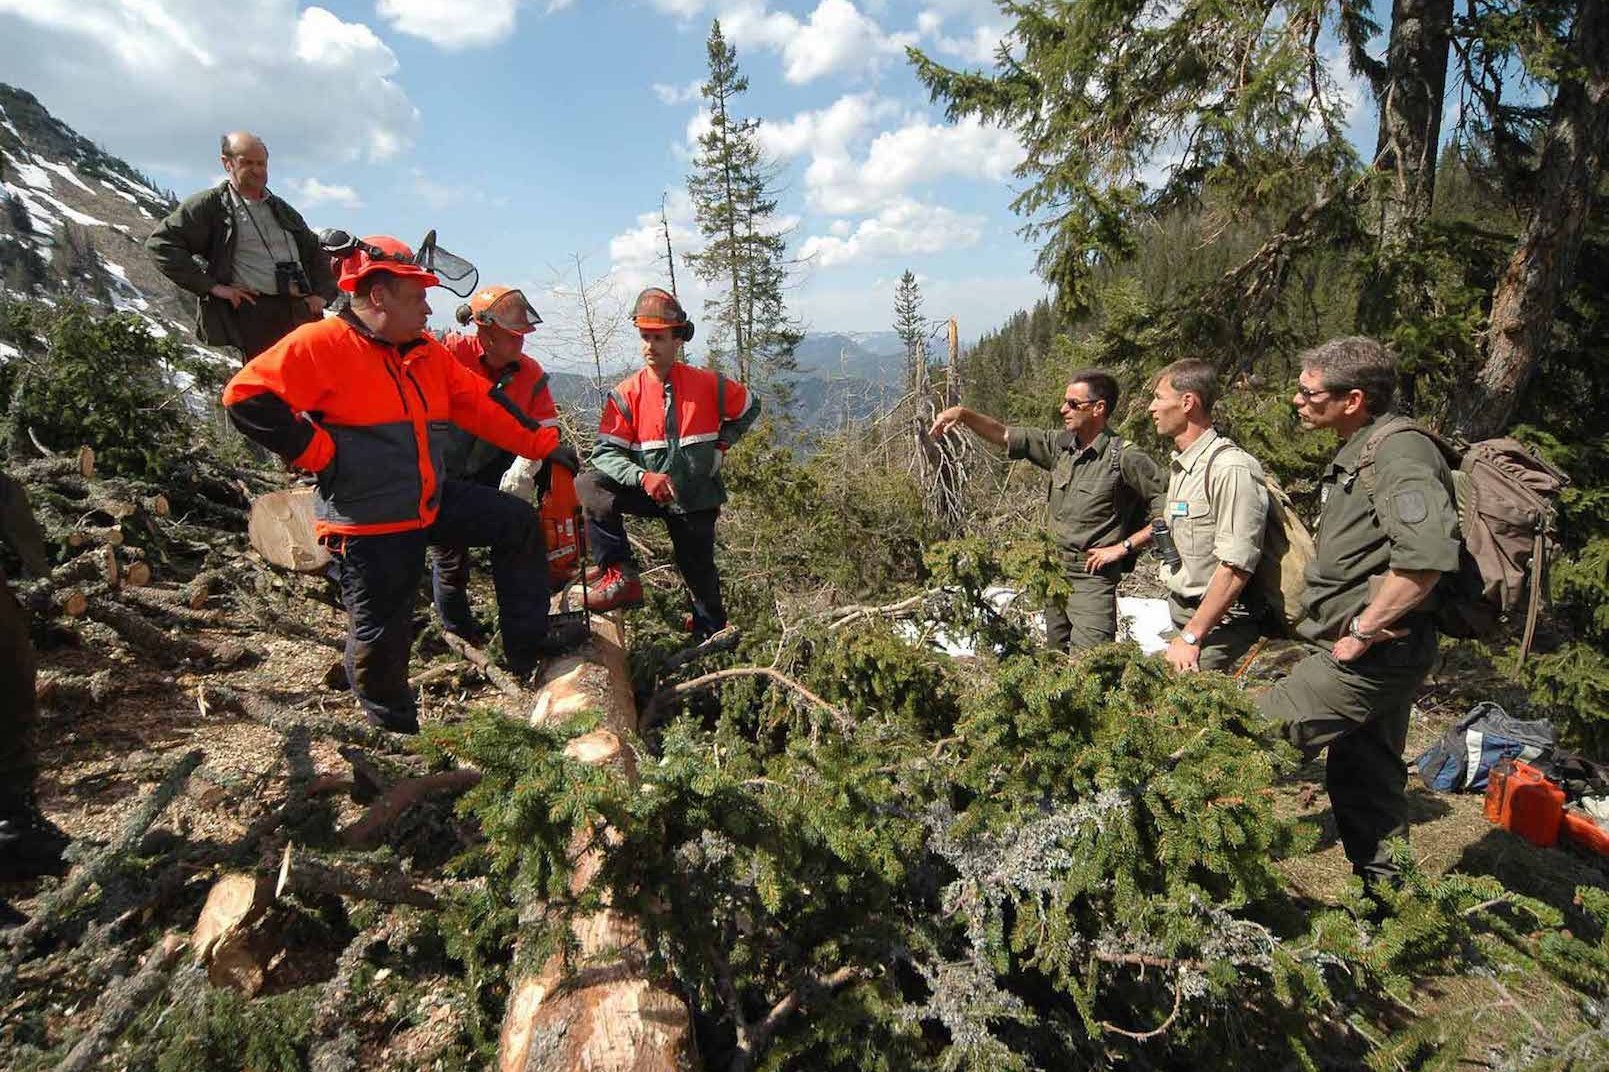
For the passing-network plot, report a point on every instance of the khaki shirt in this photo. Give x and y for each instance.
(1411, 523)
(1221, 524)
(1094, 490)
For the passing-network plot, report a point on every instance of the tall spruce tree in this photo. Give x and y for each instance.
(911, 327)
(745, 252)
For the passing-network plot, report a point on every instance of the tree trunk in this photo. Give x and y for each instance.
(611, 1015)
(1410, 116)
(1540, 268)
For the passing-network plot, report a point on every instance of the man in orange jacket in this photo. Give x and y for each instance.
(662, 437)
(494, 351)
(366, 400)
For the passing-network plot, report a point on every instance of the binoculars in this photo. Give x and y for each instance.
(291, 280)
(1162, 536)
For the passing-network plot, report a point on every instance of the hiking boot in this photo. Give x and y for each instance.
(617, 587)
(408, 724)
(30, 844)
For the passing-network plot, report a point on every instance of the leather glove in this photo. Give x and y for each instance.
(658, 487)
(565, 455)
(519, 480)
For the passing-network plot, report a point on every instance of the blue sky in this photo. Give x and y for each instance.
(531, 132)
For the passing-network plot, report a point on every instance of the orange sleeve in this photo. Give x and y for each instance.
(475, 411)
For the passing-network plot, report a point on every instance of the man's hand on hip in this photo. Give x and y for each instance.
(233, 295)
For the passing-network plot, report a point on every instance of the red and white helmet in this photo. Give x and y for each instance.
(382, 253)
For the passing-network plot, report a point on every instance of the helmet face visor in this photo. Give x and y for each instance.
(511, 312)
(454, 272)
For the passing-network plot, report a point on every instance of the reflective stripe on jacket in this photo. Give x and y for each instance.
(679, 427)
(372, 419)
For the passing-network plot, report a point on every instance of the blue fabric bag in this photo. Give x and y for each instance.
(1462, 760)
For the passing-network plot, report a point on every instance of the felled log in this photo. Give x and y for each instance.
(121, 1003)
(102, 536)
(502, 679)
(612, 1014)
(391, 805)
(165, 648)
(304, 871)
(281, 530)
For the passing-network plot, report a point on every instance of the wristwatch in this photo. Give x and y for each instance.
(1355, 633)
(1189, 638)
(1128, 548)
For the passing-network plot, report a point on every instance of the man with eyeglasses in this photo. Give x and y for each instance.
(1387, 532)
(246, 254)
(1216, 506)
(367, 400)
(1100, 491)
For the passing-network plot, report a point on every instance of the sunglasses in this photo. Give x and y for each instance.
(1080, 403)
(1308, 394)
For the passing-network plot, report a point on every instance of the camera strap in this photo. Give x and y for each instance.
(290, 249)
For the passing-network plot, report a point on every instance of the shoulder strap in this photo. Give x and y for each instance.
(1371, 448)
(620, 404)
(1224, 443)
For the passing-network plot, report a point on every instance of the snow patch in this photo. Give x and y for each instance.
(30, 174)
(65, 172)
(124, 194)
(1144, 621)
(137, 187)
(7, 352)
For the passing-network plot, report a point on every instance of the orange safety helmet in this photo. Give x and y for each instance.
(382, 253)
(506, 307)
(658, 308)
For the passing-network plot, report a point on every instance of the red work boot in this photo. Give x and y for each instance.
(617, 587)
(595, 574)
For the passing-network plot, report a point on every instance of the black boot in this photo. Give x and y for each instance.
(30, 844)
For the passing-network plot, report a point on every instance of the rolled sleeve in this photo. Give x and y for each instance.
(1035, 444)
(1240, 506)
(1419, 518)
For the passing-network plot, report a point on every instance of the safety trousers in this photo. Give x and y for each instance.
(692, 538)
(380, 580)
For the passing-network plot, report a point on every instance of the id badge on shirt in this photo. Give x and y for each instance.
(1179, 508)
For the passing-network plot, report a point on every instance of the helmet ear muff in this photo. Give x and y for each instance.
(684, 331)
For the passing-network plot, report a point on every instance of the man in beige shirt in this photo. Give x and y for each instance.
(1216, 504)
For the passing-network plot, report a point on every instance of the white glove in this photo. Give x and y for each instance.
(520, 478)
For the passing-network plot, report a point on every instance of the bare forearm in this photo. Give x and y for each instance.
(1399, 593)
(1225, 587)
(984, 425)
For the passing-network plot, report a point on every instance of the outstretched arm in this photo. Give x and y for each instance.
(981, 423)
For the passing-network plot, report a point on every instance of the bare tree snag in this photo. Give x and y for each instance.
(1542, 264)
(303, 872)
(370, 830)
(86, 462)
(122, 1003)
(281, 530)
(610, 1015)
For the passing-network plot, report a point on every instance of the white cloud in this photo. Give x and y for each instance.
(837, 37)
(668, 94)
(903, 228)
(160, 81)
(310, 193)
(453, 24)
(899, 159)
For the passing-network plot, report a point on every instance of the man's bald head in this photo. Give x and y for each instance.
(245, 157)
(237, 142)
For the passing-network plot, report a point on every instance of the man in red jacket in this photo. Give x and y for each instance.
(494, 351)
(366, 400)
(662, 437)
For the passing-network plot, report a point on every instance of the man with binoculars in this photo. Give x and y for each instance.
(246, 254)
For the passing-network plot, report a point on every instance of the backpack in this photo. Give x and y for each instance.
(1506, 513)
(1464, 757)
(1281, 574)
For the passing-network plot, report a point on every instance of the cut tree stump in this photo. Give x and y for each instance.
(225, 937)
(281, 530)
(611, 1015)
